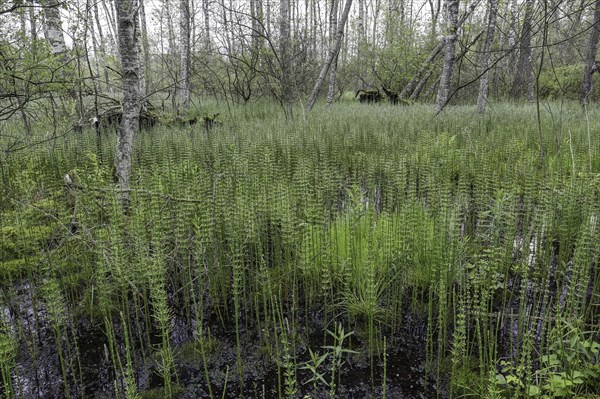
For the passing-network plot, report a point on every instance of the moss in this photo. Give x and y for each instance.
(15, 267)
(8, 247)
(18, 242)
(159, 393)
(191, 351)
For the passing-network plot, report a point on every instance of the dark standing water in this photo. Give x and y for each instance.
(91, 374)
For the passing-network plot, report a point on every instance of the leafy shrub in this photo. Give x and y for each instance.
(566, 82)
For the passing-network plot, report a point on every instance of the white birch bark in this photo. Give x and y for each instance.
(361, 21)
(90, 21)
(285, 52)
(206, 14)
(54, 31)
(512, 30)
(127, 17)
(410, 86)
(449, 56)
(147, 77)
(254, 26)
(590, 59)
(333, 70)
(360, 42)
(112, 23)
(485, 61)
(425, 68)
(522, 83)
(434, 9)
(32, 21)
(415, 94)
(334, 49)
(184, 33)
(101, 44)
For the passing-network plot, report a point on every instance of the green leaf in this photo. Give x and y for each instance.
(533, 390)
(577, 374)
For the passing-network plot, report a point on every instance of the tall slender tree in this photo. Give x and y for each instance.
(145, 48)
(451, 11)
(32, 21)
(334, 49)
(485, 59)
(523, 80)
(590, 59)
(127, 17)
(206, 15)
(53, 27)
(184, 32)
(285, 42)
(101, 44)
(333, 21)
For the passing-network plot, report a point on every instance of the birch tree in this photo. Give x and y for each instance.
(127, 18)
(451, 11)
(523, 81)
(485, 61)
(53, 27)
(184, 32)
(33, 21)
(145, 48)
(101, 44)
(206, 15)
(284, 53)
(590, 59)
(332, 30)
(334, 49)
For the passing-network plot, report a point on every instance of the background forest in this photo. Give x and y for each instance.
(299, 199)
(242, 51)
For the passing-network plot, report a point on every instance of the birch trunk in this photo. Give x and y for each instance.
(410, 86)
(333, 52)
(206, 13)
(268, 18)
(426, 66)
(512, 30)
(360, 43)
(145, 48)
(172, 65)
(254, 26)
(333, 70)
(90, 22)
(284, 53)
(226, 27)
(485, 61)
(112, 24)
(415, 94)
(434, 8)
(142, 74)
(590, 59)
(32, 21)
(524, 72)
(127, 17)
(449, 56)
(54, 32)
(376, 9)
(313, 29)
(184, 32)
(102, 44)
(361, 22)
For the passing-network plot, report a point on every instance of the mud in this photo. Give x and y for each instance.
(91, 374)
